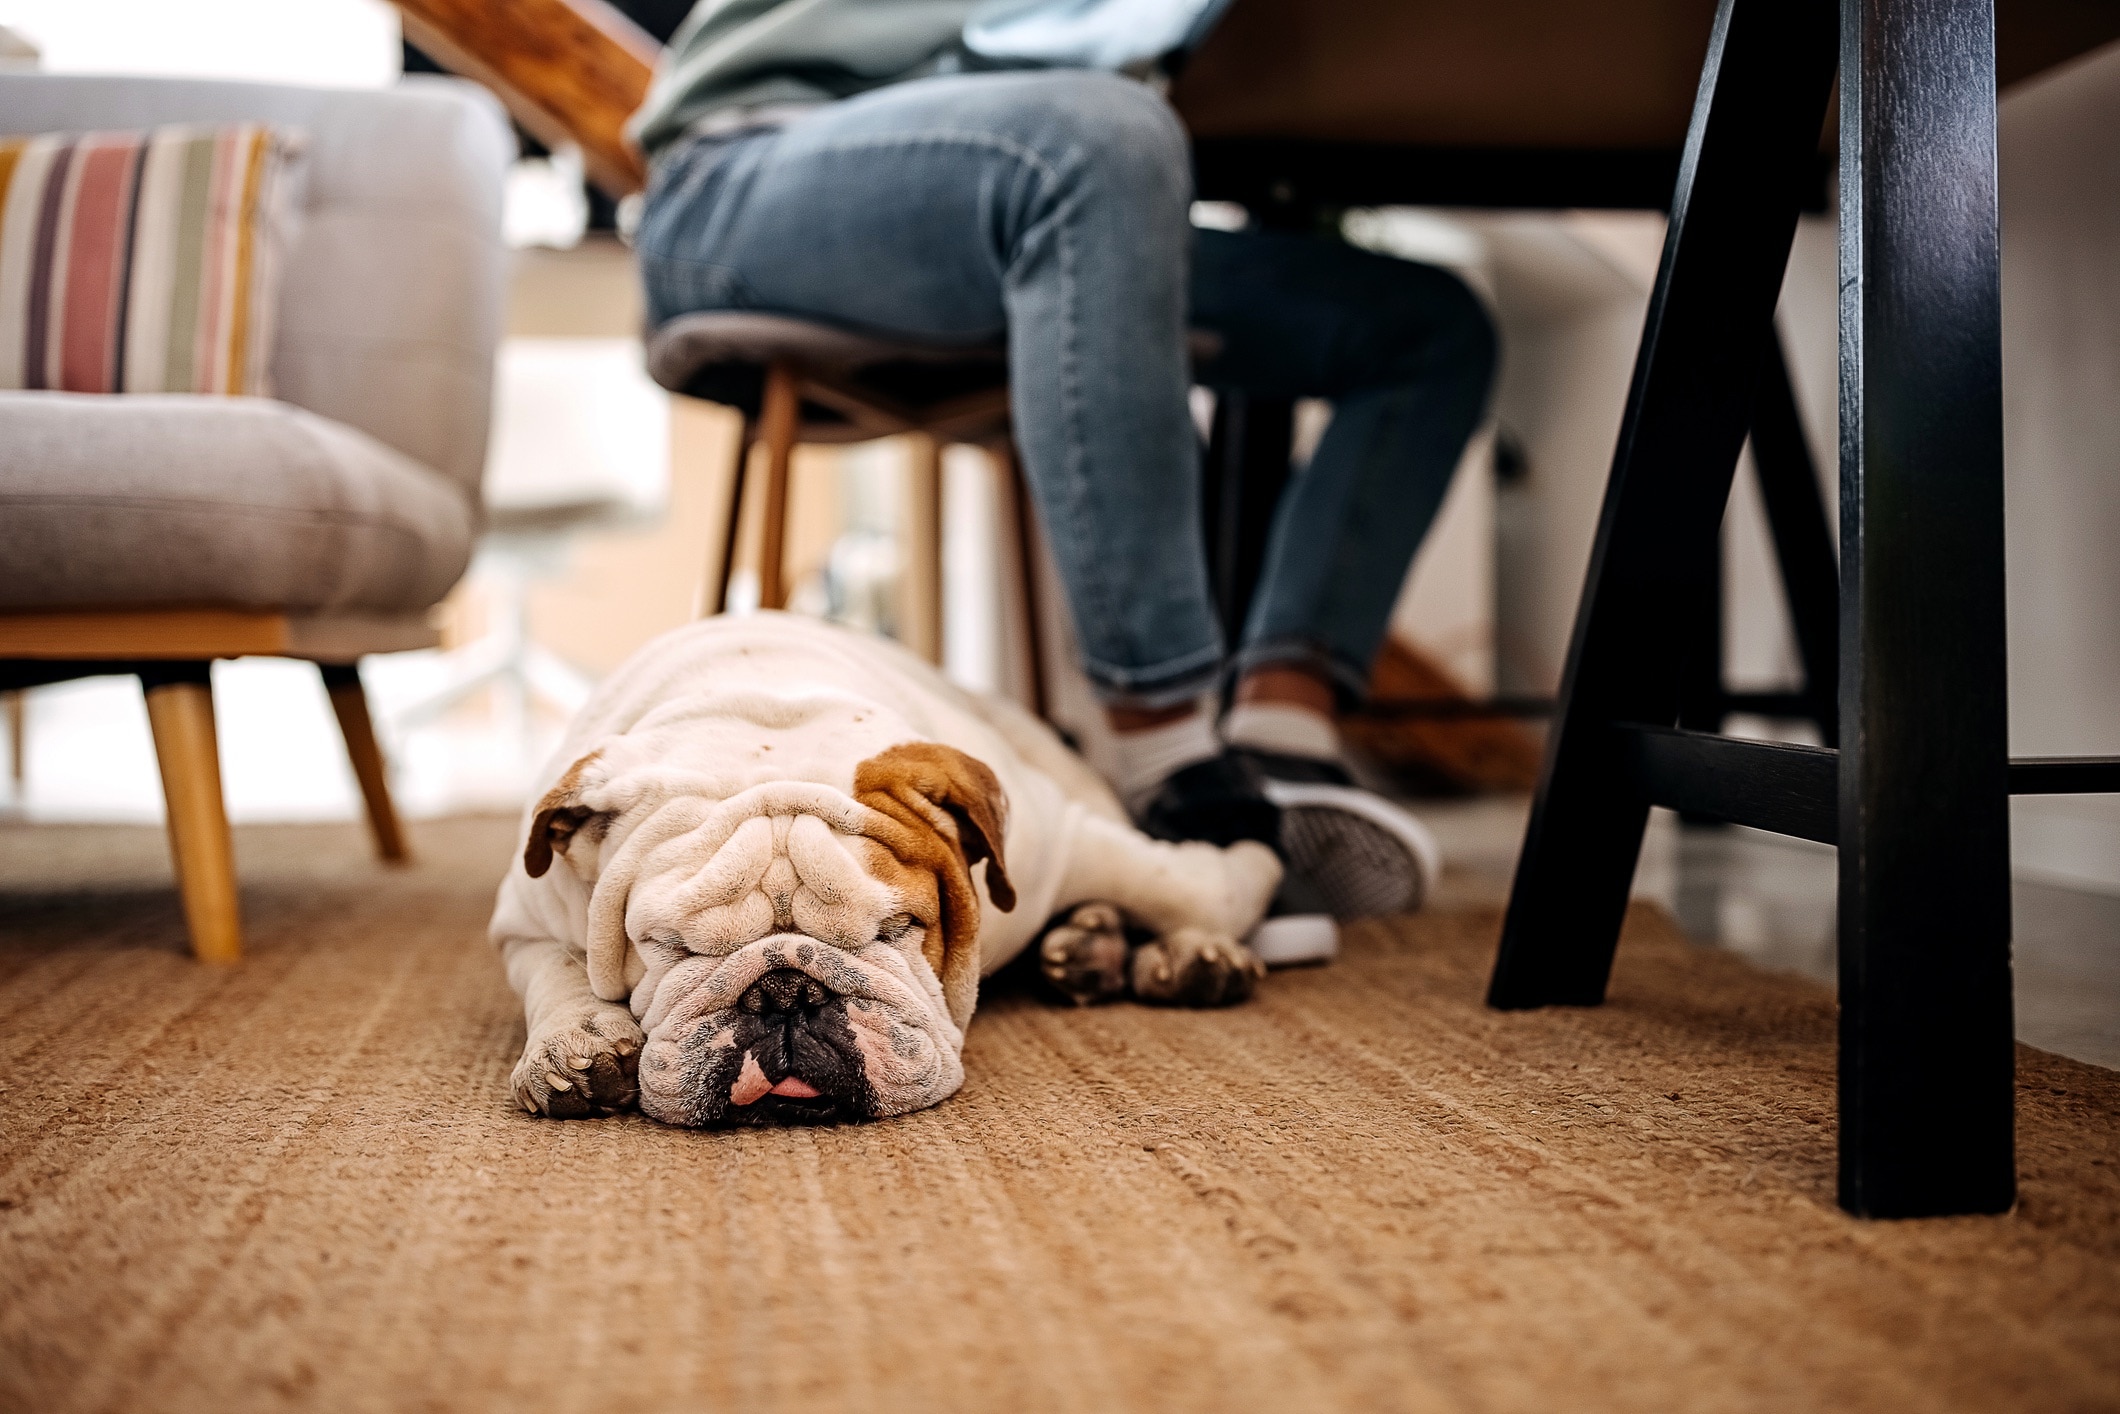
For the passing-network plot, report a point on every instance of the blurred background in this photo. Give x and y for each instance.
(605, 490)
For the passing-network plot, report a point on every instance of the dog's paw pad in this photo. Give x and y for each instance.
(586, 1066)
(1083, 956)
(1193, 967)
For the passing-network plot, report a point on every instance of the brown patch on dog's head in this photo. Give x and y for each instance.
(947, 813)
(558, 817)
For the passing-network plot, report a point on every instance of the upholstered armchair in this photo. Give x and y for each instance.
(152, 533)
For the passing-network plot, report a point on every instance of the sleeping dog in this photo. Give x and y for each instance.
(776, 857)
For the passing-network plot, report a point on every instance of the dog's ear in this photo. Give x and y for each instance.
(951, 813)
(557, 818)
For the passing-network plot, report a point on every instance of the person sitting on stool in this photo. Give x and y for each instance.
(955, 172)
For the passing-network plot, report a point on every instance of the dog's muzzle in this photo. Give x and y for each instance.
(798, 1061)
(785, 1053)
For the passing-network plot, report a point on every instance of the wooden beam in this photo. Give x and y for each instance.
(186, 634)
(1421, 725)
(571, 71)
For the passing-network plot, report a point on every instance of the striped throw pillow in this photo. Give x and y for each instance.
(141, 262)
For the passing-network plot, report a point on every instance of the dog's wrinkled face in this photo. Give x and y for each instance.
(795, 954)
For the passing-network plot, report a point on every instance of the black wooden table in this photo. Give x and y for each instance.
(1916, 794)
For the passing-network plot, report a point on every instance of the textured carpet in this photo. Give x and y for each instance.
(302, 1184)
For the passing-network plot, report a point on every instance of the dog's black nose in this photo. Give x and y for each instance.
(784, 992)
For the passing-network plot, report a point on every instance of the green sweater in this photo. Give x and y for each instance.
(754, 53)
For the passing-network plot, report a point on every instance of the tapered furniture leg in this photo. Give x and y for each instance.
(1926, 1056)
(724, 569)
(778, 423)
(18, 738)
(342, 681)
(1753, 137)
(1803, 540)
(1016, 498)
(180, 711)
(921, 601)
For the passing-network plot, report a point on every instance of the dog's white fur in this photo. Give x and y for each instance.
(716, 773)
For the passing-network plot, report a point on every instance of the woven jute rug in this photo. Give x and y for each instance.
(302, 1184)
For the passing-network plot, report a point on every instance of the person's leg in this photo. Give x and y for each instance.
(1051, 206)
(1406, 354)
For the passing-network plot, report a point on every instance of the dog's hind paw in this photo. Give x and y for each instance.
(1193, 967)
(585, 1065)
(1083, 956)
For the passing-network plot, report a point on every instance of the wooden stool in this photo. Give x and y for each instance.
(800, 382)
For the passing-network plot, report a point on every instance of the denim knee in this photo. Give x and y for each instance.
(1434, 327)
(1467, 341)
(1110, 131)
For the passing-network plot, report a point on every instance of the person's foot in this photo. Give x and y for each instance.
(1350, 852)
(1220, 800)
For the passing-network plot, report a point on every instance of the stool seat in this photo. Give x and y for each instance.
(856, 385)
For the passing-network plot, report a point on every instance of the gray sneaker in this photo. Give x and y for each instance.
(1350, 852)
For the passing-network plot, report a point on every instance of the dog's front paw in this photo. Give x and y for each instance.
(1193, 967)
(1083, 956)
(587, 1064)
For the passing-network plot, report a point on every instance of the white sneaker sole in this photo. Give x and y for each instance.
(1353, 853)
(1296, 938)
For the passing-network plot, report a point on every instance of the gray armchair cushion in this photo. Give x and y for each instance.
(391, 305)
(245, 502)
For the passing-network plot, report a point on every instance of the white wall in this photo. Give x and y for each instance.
(2061, 439)
(336, 43)
(1570, 305)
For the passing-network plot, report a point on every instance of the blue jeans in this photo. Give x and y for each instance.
(1051, 208)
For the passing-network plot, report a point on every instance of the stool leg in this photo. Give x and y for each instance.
(180, 712)
(778, 421)
(342, 681)
(1023, 530)
(720, 572)
(18, 738)
(921, 599)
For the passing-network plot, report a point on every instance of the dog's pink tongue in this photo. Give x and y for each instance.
(751, 1084)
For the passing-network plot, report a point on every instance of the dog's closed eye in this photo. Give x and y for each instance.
(893, 929)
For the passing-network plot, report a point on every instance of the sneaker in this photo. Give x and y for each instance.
(1220, 800)
(1350, 852)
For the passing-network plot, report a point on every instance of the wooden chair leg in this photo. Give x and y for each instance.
(342, 681)
(1023, 530)
(180, 710)
(18, 738)
(724, 570)
(921, 599)
(779, 421)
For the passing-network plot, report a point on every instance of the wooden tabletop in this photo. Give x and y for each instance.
(1610, 75)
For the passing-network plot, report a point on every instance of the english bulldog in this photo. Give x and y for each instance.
(775, 858)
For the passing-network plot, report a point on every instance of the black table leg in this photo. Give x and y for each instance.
(1803, 541)
(1702, 694)
(1752, 140)
(1247, 468)
(1925, 1020)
